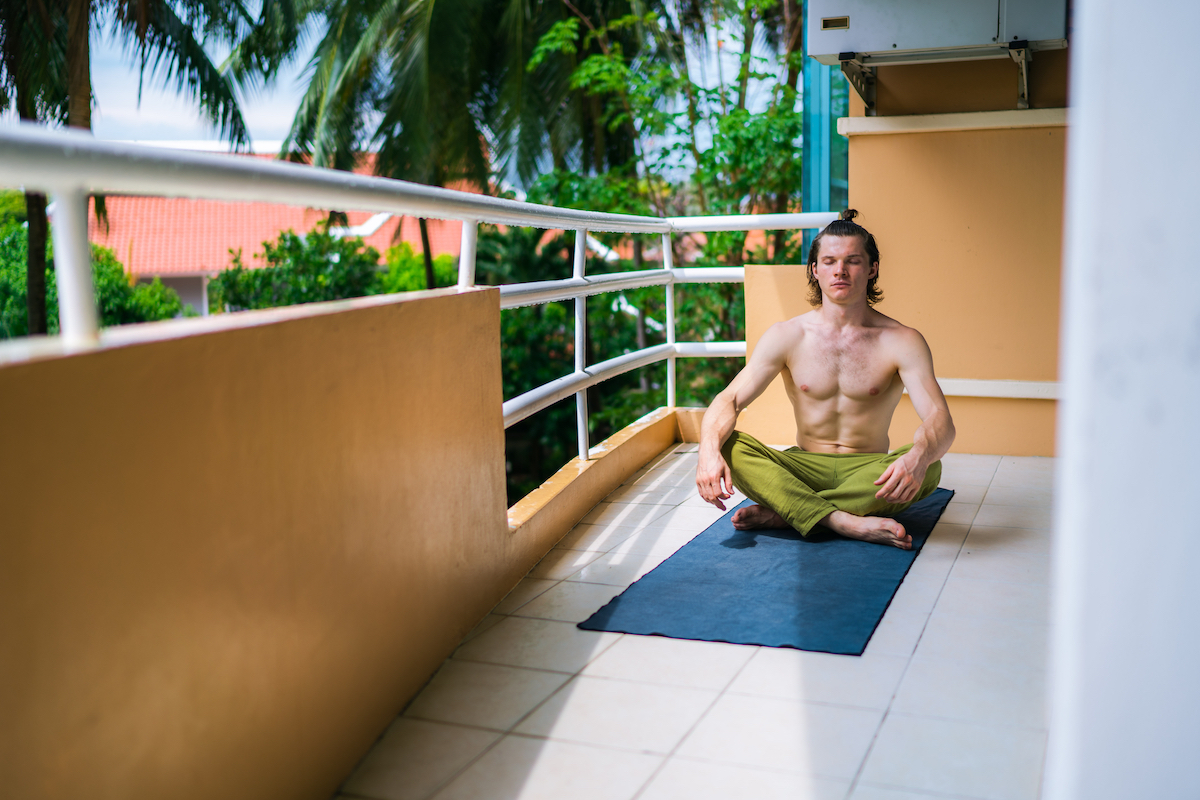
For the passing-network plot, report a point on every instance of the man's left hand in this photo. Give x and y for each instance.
(901, 480)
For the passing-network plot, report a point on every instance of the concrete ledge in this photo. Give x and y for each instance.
(689, 420)
(547, 513)
(940, 123)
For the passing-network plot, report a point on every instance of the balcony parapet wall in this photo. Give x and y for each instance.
(232, 549)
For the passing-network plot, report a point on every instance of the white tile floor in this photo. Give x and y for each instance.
(945, 703)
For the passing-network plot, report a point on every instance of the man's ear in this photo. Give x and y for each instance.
(874, 270)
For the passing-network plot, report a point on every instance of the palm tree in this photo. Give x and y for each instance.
(168, 38)
(441, 90)
(46, 71)
(32, 78)
(407, 78)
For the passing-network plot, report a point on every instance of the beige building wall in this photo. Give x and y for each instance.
(969, 225)
(227, 560)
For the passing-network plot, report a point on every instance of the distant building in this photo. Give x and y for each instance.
(185, 242)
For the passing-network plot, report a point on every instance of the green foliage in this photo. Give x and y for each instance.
(636, 66)
(120, 303)
(13, 245)
(708, 312)
(618, 191)
(318, 266)
(12, 206)
(299, 269)
(406, 270)
(752, 162)
(538, 345)
(559, 39)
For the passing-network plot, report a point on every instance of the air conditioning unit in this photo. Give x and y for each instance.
(863, 34)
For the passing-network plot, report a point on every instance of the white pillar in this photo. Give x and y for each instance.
(466, 254)
(78, 319)
(581, 408)
(670, 321)
(1125, 665)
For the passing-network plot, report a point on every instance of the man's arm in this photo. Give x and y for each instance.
(902, 480)
(713, 478)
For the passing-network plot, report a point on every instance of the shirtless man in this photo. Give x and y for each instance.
(844, 366)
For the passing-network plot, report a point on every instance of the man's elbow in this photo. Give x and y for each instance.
(949, 431)
(726, 399)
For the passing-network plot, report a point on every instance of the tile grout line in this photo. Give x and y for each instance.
(670, 754)
(721, 693)
(936, 795)
(511, 730)
(908, 663)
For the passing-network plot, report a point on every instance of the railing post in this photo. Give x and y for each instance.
(581, 409)
(466, 254)
(78, 320)
(668, 263)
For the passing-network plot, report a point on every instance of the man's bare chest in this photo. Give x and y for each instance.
(822, 369)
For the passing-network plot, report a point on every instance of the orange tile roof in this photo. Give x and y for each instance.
(176, 236)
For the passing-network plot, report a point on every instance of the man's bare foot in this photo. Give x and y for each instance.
(880, 530)
(753, 518)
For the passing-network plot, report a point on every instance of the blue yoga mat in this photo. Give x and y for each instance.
(772, 587)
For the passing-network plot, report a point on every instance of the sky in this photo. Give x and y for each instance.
(165, 114)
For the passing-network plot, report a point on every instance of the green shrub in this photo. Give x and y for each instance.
(406, 270)
(299, 269)
(119, 302)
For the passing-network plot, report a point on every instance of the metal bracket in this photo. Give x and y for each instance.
(861, 77)
(1021, 53)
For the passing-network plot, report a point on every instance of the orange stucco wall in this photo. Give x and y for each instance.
(228, 559)
(969, 225)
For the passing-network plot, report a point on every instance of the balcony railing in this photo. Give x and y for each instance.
(71, 166)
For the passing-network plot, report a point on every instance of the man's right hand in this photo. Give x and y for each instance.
(713, 479)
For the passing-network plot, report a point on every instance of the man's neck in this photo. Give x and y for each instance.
(845, 316)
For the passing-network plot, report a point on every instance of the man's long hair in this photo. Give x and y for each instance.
(845, 226)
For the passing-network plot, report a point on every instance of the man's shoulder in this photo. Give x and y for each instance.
(893, 328)
(900, 340)
(791, 328)
(800, 321)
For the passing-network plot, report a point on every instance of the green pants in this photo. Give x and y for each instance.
(804, 487)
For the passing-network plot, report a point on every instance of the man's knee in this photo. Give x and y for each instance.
(747, 463)
(736, 447)
(933, 476)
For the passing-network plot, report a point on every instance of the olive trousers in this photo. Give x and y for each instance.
(804, 487)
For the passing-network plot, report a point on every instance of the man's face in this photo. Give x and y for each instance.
(843, 269)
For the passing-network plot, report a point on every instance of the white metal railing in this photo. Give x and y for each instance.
(71, 166)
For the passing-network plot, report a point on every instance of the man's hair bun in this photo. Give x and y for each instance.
(849, 214)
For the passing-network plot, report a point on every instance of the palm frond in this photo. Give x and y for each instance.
(173, 53)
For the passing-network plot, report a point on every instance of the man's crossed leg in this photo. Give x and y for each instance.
(798, 489)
